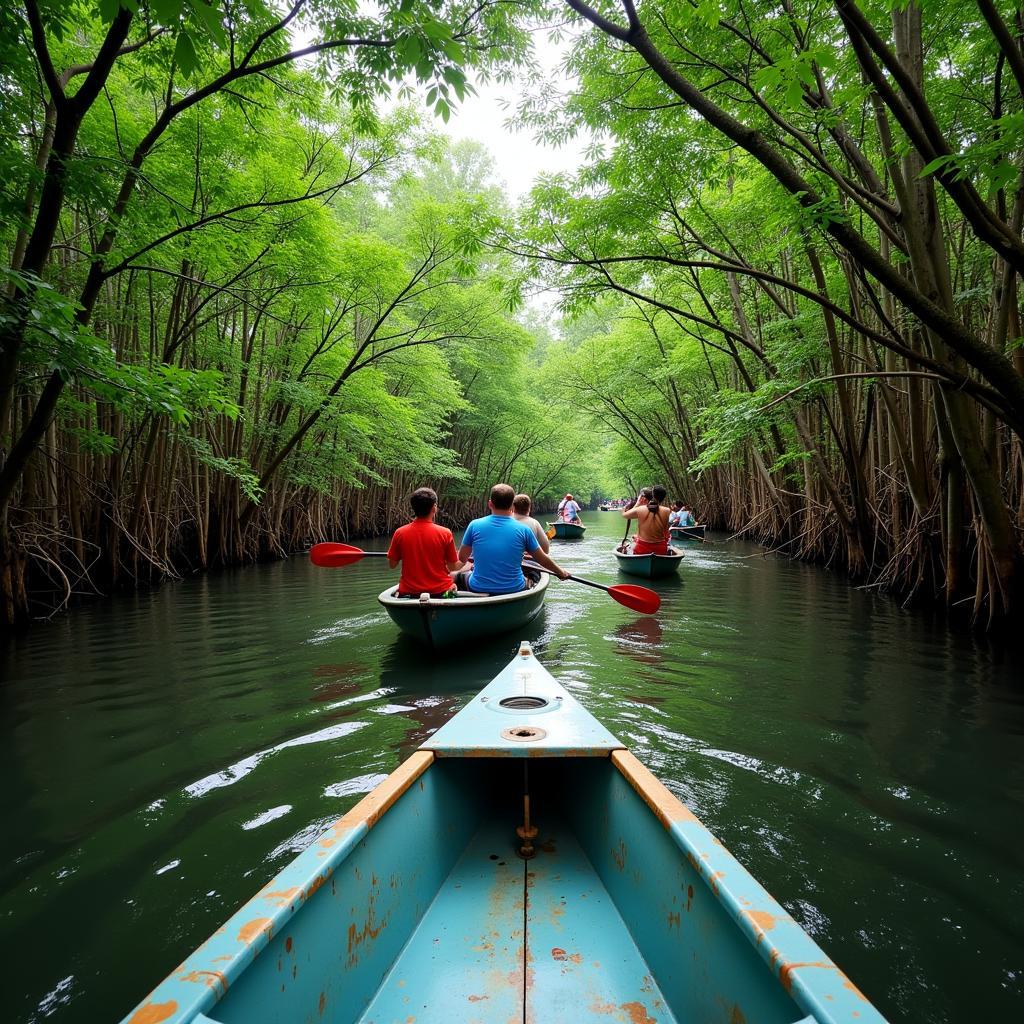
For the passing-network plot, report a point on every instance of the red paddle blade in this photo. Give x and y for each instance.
(333, 556)
(640, 599)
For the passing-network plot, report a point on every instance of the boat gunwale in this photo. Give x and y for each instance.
(265, 913)
(389, 598)
(678, 556)
(756, 916)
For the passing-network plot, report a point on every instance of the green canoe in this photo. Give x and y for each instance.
(568, 531)
(521, 867)
(651, 567)
(441, 622)
(687, 532)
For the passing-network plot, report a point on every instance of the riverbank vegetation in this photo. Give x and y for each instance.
(805, 229)
(248, 304)
(240, 321)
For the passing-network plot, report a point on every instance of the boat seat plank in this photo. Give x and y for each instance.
(463, 963)
(584, 964)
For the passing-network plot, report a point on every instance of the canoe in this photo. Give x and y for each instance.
(651, 567)
(522, 865)
(568, 531)
(441, 622)
(687, 532)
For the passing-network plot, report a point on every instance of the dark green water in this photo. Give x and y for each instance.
(163, 755)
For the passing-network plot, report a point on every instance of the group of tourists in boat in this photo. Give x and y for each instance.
(569, 510)
(657, 523)
(490, 558)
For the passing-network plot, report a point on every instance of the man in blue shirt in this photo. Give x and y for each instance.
(497, 544)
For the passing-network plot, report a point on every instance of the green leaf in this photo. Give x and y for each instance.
(937, 164)
(167, 12)
(185, 54)
(210, 16)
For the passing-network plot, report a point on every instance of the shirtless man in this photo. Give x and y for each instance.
(521, 507)
(651, 523)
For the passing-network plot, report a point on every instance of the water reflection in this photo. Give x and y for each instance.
(165, 752)
(642, 639)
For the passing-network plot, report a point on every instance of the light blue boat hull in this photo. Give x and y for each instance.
(447, 621)
(415, 905)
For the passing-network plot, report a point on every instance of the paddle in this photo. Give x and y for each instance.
(333, 556)
(640, 599)
(629, 523)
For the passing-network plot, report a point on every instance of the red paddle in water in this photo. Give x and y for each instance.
(640, 599)
(334, 556)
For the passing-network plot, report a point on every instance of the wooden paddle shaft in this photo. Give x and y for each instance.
(577, 579)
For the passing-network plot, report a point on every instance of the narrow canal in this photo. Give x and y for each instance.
(163, 754)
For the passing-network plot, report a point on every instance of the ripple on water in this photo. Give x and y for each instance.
(361, 784)
(272, 814)
(865, 765)
(240, 769)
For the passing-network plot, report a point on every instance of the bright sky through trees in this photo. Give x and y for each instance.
(519, 157)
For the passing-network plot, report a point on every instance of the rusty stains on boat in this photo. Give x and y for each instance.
(282, 897)
(786, 971)
(637, 1013)
(255, 929)
(316, 884)
(762, 920)
(154, 1013)
(619, 856)
(211, 979)
(853, 988)
(667, 807)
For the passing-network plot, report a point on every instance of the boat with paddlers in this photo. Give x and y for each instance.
(649, 566)
(566, 531)
(687, 532)
(522, 865)
(465, 616)
(444, 621)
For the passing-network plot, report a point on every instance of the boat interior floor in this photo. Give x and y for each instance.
(508, 939)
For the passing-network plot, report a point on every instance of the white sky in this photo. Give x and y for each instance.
(518, 156)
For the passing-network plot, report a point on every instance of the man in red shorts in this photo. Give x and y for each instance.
(426, 550)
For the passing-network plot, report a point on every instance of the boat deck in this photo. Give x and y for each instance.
(513, 940)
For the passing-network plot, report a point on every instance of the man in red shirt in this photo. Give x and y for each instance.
(426, 550)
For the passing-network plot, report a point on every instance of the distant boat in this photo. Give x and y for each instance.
(567, 531)
(444, 621)
(651, 567)
(687, 532)
(522, 865)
